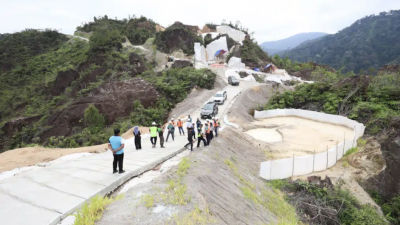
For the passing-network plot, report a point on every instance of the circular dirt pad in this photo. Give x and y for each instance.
(269, 135)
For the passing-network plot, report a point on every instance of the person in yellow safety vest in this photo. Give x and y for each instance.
(153, 134)
(216, 126)
(200, 136)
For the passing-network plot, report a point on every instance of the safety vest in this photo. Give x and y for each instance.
(208, 130)
(180, 123)
(215, 124)
(153, 131)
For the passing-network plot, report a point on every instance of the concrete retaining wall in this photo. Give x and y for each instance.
(302, 165)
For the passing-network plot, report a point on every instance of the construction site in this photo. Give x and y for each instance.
(226, 182)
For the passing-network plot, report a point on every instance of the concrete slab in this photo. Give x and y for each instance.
(40, 195)
(88, 175)
(67, 184)
(16, 212)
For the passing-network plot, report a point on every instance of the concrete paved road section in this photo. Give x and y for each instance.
(47, 195)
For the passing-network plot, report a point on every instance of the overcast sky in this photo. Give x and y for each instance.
(269, 19)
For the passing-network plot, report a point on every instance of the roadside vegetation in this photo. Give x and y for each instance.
(90, 212)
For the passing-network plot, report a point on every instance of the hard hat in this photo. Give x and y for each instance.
(172, 119)
(154, 123)
(213, 117)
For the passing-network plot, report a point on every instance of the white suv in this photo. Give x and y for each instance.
(220, 97)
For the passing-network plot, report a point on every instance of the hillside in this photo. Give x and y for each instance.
(370, 42)
(273, 47)
(51, 85)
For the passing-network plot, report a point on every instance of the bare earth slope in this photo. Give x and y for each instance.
(211, 183)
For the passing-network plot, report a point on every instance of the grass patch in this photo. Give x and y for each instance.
(351, 151)
(273, 201)
(148, 200)
(235, 170)
(196, 216)
(176, 193)
(278, 184)
(90, 213)
(361, 142)
(183, 166)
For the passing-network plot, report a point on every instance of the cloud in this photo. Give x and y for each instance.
(269, 19)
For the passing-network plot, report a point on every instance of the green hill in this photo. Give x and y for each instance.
(370, 42)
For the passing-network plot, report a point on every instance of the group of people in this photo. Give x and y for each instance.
(204, 133)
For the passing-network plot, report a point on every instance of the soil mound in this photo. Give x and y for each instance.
(177, 36)
(63, 80)
(181, 64)
(113, 99)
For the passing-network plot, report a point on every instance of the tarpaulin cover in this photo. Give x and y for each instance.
(267, 66)
(256, 69)
(283, 168)
(220, 51)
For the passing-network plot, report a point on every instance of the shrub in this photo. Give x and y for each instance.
(92, 118)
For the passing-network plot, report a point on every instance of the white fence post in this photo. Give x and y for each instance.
(313, 162)
(327, 158)
(293, 166)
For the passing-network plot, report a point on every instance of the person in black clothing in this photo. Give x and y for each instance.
(138, 138)
(190, 138)
(200, 136)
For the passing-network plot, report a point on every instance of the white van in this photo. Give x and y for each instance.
(220, 97)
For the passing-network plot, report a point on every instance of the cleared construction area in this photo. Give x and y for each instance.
(294, 135)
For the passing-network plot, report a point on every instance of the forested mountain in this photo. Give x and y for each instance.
(370, 42)
(273, 47)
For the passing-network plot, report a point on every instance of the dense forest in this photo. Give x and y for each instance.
(370, 42)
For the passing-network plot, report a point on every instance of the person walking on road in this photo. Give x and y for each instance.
(211, 128)
(117, 144)
(190, 138)
(171, 130)
(194, 133)
(198, 123)
(208, 135)
(138, 138)
(161, 135)
(200, 136)
(180, 124)
(216, 126)
(153, 134)
(188, 125)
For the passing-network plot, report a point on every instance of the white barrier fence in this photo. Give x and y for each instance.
(302, 165)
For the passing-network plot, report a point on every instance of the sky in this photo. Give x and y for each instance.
(269, 19)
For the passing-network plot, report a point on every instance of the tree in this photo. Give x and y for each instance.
(93, 119)
(105, 40)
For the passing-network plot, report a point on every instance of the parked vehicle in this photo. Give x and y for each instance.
(210, 110)
(220, 97)
(233, 81)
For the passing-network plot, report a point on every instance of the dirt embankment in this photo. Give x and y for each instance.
(242, 111)
(221, 179)
(389, 69)
(113, 99)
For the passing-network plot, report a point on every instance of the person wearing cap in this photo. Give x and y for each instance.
(180, 124)
(116, 144)
(200, 136)
(153, 134)
(160, 131)
(190, 139)
(173, 124)
(171, 130)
